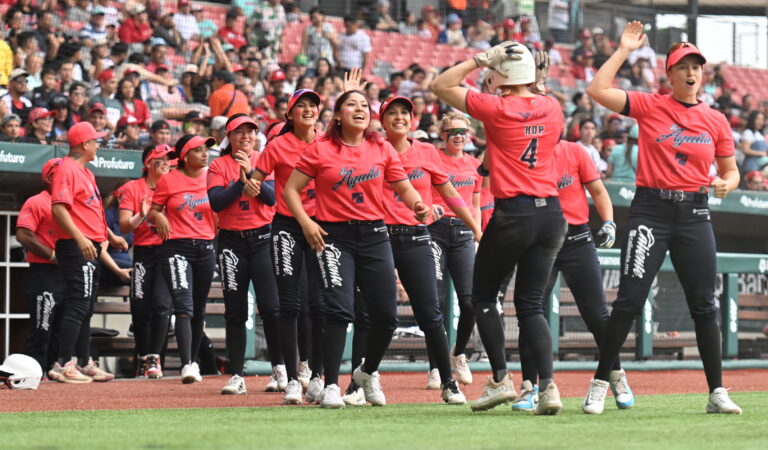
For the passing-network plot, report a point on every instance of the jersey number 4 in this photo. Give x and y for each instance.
(529, 155)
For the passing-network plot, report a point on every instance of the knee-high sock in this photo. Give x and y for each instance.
(236, 342)
(711, 350)
(288, 334)
(335, 336)
(616, 331)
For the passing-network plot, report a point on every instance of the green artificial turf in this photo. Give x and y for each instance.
(658, 422)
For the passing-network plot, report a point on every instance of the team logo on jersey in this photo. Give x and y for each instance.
(357, 197)
(416, 173)
(191, 202)
(679, 138)
(681, 158)
(310, 193)
(351, 180)
(93, 197)
(525, 115)
(245, 205)
(457, 183)
(639, 243)
(564, 181)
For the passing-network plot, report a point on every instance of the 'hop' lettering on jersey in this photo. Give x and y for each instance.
(351, 180)
(678, 138)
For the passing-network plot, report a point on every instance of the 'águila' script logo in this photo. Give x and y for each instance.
(564, 181)
(191, 202)
(348, 178)
(678, 138)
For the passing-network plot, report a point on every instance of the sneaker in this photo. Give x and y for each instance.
(141, 367)
(154, 371)
(354, 396)
(190, 373)
(621, 391)
(331, 398)
(495, 394)
(67, 373)
(452, 394)
(371, 386)
(721, 403)
(594, 402)
(549, 402)
(293, 392)
(528, 398)
(304, 374)
(235, 386)
(93, 371)
(272, 384)
(315, 389)
(278, 381)
(433, 380)
(460, 365)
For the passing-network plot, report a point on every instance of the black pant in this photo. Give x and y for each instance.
(188, 266)
(244, 256)
(43, 290)
(357, 253)
(526, 233)
(454, 249)
(684, 228)
(81, 281)
(150, 300)
(300, 294)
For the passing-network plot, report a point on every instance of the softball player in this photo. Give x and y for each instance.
(295, 265)
(527, 227)
(245, 222)
(578, 262)
(452, 237)
(185, 222)
(679, 139)
(349, 167)
(150, 298)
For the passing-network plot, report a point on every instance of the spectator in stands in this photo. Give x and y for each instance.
(641, 74)
(614, 130)
(194, 123)
(15, 100)
(185, 22)
(754, 181)
(267, 23)
(409, 27)
(622, 163)
(418, 84)
(453, 34)
(97, 115)
(725, 101)
(110, 12)
(381, 20)
(527, 33)
(319, 40)
(157, 57)
(584, 69)
(372, 91)
(480, 35)
(747, 104)
(752, 142)
(232, 31)
(586, 44)
(95, 30)
(206, 26)
(130, 104)
(605, 49)
(43, 94)
(606, 149)
(645, 52)
(167, 34)
(558, 14)
(587, 133)
(432, 25)
(127, 133)
(10, 128)
(582, 104)
(136, 28)
(38, 127)
(106, 97)
(45, 33)
(62, 121)
(354, 46)
(225, 100)
(79, 11)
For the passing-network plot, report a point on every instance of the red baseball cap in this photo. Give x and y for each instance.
(82, 132)
(508, 23)
(183, 2)
(127, 120)
(277, 75)
(683, 49)
(231, 126)
(158, 152)
(404, 100)
(194, 142)
(48, 168)
(97, 107)
(40, 113)
(237, 67)
(106, 75)
(301, 93)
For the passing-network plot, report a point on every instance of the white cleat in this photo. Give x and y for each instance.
(460, 365)
(594, 402)
(190, 373)
(371, 385)
(622, 394)
(453, 395)
(495, 394)
(282, 377)
(304, 374)
(331, 398)
(293, 393)
(315, 390)
(354, 396)
(235, 386)
(433, 380)
(549, 402)
(721, 403)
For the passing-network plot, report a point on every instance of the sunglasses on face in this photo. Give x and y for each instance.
(456, 132)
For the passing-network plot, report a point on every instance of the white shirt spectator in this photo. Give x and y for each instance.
(555, 58)
(601, 165)
(89, 32)
(111, 15)
(186, 25)
(352, 47)
(643, 52)
(558, 14)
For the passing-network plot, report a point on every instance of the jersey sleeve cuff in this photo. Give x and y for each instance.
(300, 171)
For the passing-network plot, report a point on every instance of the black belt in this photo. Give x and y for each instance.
(675, 196)
(244, 234)
(362, 222)
(406, 229)
(538, 202)
(453, 221)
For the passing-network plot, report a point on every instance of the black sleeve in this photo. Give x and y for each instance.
(267, 193)
(221, 197)
(625, 111)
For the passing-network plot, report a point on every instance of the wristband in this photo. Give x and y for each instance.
(136, 220)
(455, 202)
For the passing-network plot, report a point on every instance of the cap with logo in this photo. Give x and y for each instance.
(82, 132)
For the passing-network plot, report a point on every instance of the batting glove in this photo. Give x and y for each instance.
(607, 235)
(542, 72)
(505, 51)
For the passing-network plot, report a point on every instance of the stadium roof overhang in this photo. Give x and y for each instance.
(706, 7)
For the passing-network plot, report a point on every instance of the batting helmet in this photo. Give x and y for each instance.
(512, 72)
(20, 372)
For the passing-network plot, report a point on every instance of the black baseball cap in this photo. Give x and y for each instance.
(195, 116)
(224, 75)
(160, 125)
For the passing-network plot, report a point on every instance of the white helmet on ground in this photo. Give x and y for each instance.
(20, 372)
(512, 72)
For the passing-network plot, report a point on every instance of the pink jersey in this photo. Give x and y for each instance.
(186, 205)
(75, 186)
(424, 168)
(36, 215)
(487, 206)
(462, 172)
(349, 181)
(280, 156)
(575, 168)
(247, 212)
(677, 144)
(521, 133)
(130, 195)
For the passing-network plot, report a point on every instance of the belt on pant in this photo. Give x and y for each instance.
(362, 222)
(244, 234)
(405, 229)
(452, 221)
(538, 202)
(675, 196)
